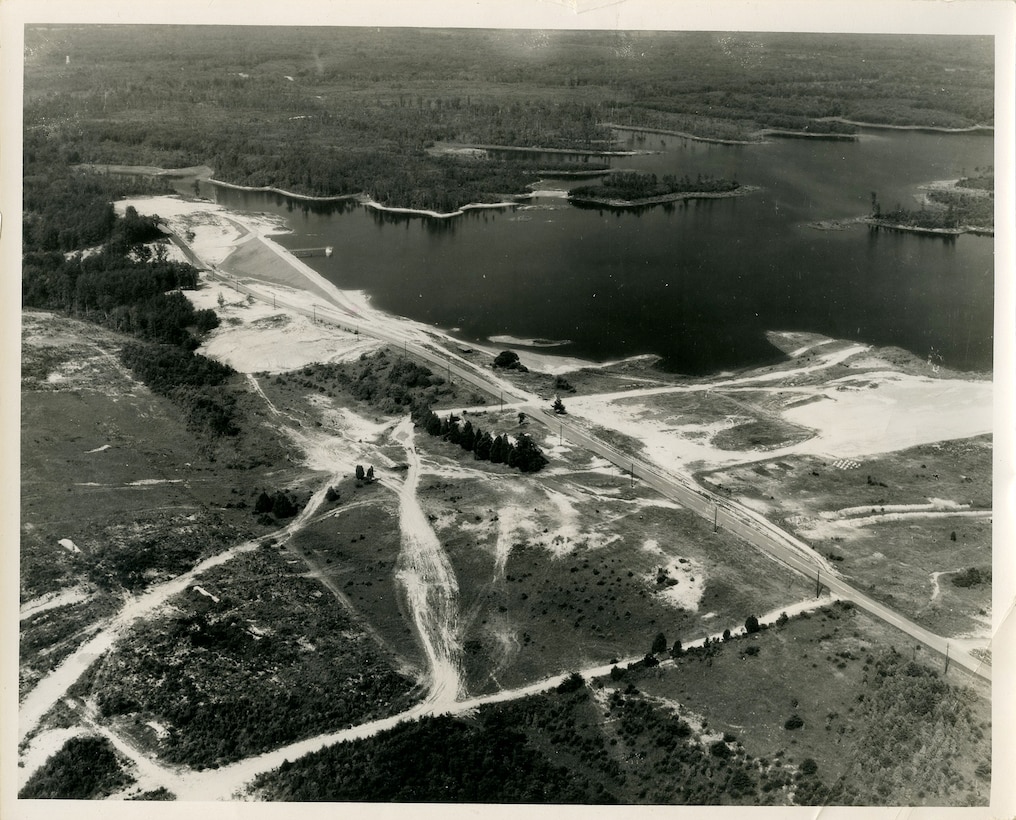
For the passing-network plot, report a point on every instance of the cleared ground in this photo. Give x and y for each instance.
(901, 525)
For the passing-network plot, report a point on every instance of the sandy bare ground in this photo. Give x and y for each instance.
(865, 414)
(53, 600)
(429, 582)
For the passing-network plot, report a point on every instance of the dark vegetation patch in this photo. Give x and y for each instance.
(631, 186)
(947, 207)
(518, 451)
(85, 768)
(274, 659)
(433, 760)
(385, 381)
(561, 747)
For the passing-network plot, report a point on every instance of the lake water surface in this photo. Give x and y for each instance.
(697, 283)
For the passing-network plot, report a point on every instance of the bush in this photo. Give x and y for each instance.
(793, 722)
(751, 625)
(809, 766)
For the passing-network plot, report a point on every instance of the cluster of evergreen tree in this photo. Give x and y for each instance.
(280, 504)
(499, 449)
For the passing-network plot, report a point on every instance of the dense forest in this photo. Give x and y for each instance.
(345, 110)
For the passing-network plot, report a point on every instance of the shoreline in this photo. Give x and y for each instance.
(889, 126)
(742, 190)
(268, 189)
(762, 132)
(943, 233)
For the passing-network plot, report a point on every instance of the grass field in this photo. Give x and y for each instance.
(890, 523)
(116, 492)
(564, 571)
(821, 668)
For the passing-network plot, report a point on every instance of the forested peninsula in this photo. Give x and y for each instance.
(949, 208)
(632, 190)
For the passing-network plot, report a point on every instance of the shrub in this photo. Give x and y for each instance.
(793, 722)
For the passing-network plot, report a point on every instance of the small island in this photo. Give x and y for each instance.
(632, 189)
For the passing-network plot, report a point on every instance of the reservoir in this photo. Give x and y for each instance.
(697, 283)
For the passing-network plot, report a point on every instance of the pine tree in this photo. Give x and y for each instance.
(481, 449)
(467, 438)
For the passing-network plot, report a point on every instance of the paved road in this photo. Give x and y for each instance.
(728, 514)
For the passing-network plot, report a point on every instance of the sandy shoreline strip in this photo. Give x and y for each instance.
(238, 246)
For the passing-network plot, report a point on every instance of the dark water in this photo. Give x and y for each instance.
(697, 283)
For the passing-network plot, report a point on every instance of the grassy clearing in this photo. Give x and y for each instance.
(116, 493)
(254, 655)
(760, 434)
(355, 549)
(862, 518)
(829, 669)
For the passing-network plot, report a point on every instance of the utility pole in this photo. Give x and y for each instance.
(946, 670)
(315, 312)
(633, 474)
(818, 583)
(716, 517)
(560, 439)
(502, 401)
